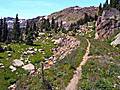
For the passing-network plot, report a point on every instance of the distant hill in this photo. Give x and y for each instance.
(69, 15)
(73, 14)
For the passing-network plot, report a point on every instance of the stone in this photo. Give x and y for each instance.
(35, 50)
(31, 48)
(31, 52)
(12, 68)
(12, 87)
(40, 50)
(25, 53)
(116, 41)
(1, 65)
(9, 55)
(17, 63)
(118, 77)
(29, 67)
(107, 23)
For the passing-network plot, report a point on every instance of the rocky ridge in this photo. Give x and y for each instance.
(107, 23)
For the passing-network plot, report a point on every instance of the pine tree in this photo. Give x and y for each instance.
(61, 24)
(16, 29)
(1, 28)
(113, 3)
(4, 31)
(30, 37)
(106, 5)
(52, 23)
(56, 27)
(27, 28)
(86, 18)
(100, 10)
(30, 34)
(47, 25)
(96, 17)
(118, 5)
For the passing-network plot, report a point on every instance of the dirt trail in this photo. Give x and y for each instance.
(77, 76)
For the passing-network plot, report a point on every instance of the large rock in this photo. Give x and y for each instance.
(17, 63)
(29, 67)
(107, 23)
(116, 41)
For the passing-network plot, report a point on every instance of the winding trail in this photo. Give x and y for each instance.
(77, 76)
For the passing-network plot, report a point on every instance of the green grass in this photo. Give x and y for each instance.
(101, 73)
(60, 74)
(7, 77)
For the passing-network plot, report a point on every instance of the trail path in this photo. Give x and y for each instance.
(77, 76)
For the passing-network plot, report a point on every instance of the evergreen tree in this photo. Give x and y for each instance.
(16, 29)
(118, 5)
(4, 31)
(52, 23)
(100, 10)
(61, 24)
(80, 22)
(35, 32)
(106, 5)
(56, 27)
(30, 36)
(71, 27)
(96, 17)
(113, 3)
(47, 25)
(86, 18)
(27, 28)
(1, 28)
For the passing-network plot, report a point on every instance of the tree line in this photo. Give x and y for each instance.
(107, 5)
(16, 34)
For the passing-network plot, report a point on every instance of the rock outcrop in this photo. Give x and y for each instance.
(116, 41)
(107, 23)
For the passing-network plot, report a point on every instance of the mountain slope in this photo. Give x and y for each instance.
(73, 14)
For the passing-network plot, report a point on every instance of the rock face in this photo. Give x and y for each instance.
(107, 23)
(116, 41)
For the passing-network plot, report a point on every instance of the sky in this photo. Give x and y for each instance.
(32, 8)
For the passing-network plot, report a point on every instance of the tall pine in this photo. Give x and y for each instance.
(1, 28)
(100, 10)
(53, 23)
(113, 3)
(29, 34)
(16, 29)
(4, 31)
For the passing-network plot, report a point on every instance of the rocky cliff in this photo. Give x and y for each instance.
(107, 23)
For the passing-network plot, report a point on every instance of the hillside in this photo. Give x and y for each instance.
(73, 14)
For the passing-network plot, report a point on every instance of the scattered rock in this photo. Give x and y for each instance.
(17, 63)
(12, 68)
(12, 87)
(118, 77)
(35, 50)
(25, 53)
(31, 52)
(9, 55)
(65, 46)
(40, 50)
(29, 67)
(1, 65)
